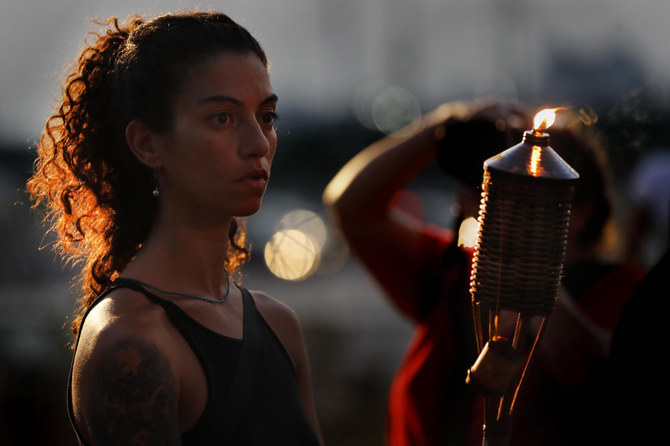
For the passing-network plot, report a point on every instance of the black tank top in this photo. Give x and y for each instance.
(252, 388)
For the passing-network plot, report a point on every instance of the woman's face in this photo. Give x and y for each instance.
(216, 158)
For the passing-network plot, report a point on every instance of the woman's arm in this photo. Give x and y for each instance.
(124, 390)
(360, 197)
(133, 397)
(124, 387)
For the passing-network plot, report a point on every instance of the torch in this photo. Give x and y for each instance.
(518, 261)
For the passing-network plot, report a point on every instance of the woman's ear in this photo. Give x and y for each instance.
(141, 143)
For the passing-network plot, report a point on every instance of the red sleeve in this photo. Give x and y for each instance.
(427, 267)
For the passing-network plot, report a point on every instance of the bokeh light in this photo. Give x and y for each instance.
(363, 99)
(305, 221)
(395, 108)
(302, 245)
(334, 254)
(291, 254)
(388, 108)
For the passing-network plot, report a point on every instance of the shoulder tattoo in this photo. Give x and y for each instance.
(134, 397)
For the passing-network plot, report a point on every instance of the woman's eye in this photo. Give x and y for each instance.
(221, 118)
(270, 118)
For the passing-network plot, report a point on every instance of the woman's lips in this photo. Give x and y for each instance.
(256, 179)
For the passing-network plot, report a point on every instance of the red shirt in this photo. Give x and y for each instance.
(429, 400)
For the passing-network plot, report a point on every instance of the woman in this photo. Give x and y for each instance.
(164, 137)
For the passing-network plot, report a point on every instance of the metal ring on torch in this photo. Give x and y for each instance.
(496, 369)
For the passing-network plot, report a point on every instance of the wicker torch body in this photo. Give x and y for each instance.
(523, 227)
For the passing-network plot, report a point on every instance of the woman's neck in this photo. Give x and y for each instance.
(178, 256)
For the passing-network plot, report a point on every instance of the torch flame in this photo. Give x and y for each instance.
(544, 119)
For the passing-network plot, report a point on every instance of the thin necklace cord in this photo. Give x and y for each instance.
(170, 293)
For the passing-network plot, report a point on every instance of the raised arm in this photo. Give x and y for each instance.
(391, 244)
(360, 197)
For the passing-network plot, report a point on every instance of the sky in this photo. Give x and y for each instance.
(325, 53)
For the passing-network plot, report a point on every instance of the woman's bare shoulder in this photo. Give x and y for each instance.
(274, 310)
(284, 322)
(124, 321)
(122, 371)
(122, 313)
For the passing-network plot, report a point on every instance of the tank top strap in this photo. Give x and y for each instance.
(136, 285)
(182, 320)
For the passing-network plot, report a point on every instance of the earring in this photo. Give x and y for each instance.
(156, 192)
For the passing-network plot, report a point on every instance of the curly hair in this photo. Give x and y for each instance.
(97, 194)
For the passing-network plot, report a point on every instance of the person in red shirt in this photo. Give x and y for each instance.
(419, 265)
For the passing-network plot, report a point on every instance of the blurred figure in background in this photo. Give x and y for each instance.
(421, 268)
(426, 275)
(649, 191)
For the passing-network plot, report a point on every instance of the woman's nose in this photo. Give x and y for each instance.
(256, 140)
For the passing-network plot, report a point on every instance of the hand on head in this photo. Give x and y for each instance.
(474, 133)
